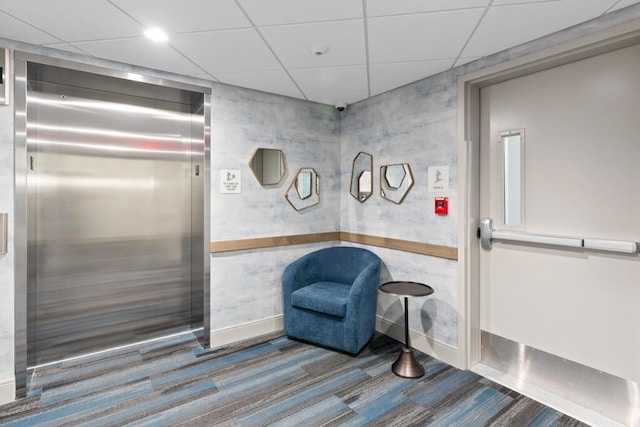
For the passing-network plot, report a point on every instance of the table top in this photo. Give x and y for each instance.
(406, 289)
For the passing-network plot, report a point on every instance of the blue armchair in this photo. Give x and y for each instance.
(329, 297)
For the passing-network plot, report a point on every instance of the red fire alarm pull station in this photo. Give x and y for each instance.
(442, 205)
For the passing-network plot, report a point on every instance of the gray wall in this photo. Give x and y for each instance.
(245, 285)
(416, 124)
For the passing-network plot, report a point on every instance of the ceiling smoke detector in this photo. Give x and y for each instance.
(319, 49)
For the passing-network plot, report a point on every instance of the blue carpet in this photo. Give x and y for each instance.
(267, 381)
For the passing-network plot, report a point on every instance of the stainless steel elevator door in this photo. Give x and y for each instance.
(109, 219)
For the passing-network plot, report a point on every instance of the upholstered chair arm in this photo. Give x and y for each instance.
(362, 303)
(298, 274)
(362, 283)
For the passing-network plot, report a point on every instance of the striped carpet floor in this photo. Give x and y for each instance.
(267, 381)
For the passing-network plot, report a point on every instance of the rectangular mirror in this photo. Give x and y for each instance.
(513, 176)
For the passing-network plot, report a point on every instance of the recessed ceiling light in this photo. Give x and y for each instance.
(156, 34)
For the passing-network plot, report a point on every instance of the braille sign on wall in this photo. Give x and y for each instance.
(438, 178)
(230, 181)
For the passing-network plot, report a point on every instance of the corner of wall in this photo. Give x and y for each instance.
(7, 391)
(427, 345)
(233, 334)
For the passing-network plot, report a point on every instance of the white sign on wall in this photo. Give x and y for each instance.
(438, 178)
(230, 181)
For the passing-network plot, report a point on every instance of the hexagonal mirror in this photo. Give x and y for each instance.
(304, 191)
(362, 177)
(395, 182)
(394, 175)
(268, 165)
(303, 185)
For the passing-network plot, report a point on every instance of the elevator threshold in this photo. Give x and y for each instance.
(197, 332)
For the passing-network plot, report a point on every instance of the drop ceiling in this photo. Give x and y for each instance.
(371, 45)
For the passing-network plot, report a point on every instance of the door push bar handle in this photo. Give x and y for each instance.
(487, 234)
(4, 231)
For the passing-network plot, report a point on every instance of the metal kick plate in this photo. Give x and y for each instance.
(603, 393)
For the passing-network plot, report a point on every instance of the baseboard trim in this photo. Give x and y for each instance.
(245, 331)
(565, 406)
(7, 391)
(437, 349)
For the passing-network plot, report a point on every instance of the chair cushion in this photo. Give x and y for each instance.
(324, 297)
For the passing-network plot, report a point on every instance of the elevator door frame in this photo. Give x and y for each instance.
(21, 189)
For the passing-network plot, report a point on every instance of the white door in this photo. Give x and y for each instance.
(579, 163)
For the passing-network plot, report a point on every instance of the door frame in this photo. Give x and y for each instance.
(469, 86)
(21, 59)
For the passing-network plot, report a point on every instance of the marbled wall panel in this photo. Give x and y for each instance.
(6, 261)
(435, 316)
(307, 133)
(247, 285)
(415, 124)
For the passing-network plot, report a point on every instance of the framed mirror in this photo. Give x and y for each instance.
(304, 190)
(303, 185)
(268, 166)
(395, 182)
(362, 177)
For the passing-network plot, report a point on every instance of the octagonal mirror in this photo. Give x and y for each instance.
(395, 182)
(304, 191)
(362, 177)
(268, 166)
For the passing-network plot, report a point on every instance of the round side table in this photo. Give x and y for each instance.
(406, 365)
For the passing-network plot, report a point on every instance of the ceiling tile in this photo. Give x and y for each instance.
(276, 81)
(228, 51)
(331, 79)
(216, 39)
(425, 36)
(142, 52)
(185, 15)
(398, 7)
(508, 2)
(508, 26)
(203, 76)
(333, 98)
(385, 77)
(66, 47)
(623, 3)
(465, 60)
(74, 20)
(292, 43)
(277, 12)
(14, 29)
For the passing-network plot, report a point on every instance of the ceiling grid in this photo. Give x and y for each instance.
(330, 51)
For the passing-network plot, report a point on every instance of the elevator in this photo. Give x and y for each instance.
(113, 191)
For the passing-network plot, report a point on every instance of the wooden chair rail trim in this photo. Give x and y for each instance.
(439, 251)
